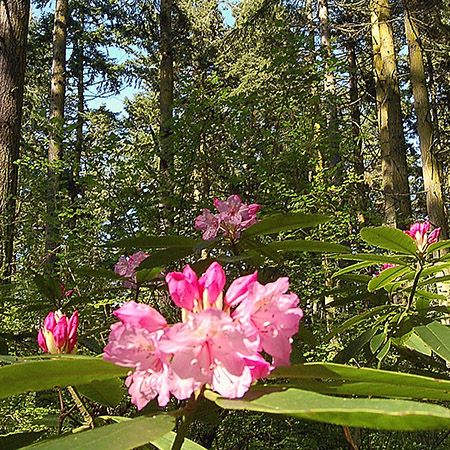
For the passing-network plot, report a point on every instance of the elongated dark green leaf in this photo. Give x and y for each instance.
(165, 443)
(253, 245)
(98, 273)
(438, 246)
(380, 259)
(124, 435)
(355, 346)
(357, 266)
(389, 239)
(385, 277)
(428, 295)
(19, 440)
(377, 341)
(146, 242)
(284, 221)
(162, 257)
(433, 280)
(308, 246)
(107, 392)
(354, 412)
(437, 336)
(145, 275)
(61, 371)
(48, 287)
(358, 319)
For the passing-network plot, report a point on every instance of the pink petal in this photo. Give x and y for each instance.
(184, 288)
(41, 341)
(239, 288)
(434, 236)
(213, 280)
(60, 333)
(50, 321)
(140, 315)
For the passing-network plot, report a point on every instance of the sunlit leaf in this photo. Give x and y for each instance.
(389, 239)
(355, 412)
(437, 336)
(107, 392)
(385, 277)
(307, 246)
(283, 222)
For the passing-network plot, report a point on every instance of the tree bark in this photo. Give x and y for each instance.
(14, 16)
(392, 140)
(430, 165)
(330, 87)
(57, 94)
(166, 86)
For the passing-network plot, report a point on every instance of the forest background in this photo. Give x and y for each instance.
(332, 108)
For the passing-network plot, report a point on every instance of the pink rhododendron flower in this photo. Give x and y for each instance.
(419, 232)
(273, 315)
(64, 293)
(126, 267)
(213, 345)
(59, 334)
(233, 217)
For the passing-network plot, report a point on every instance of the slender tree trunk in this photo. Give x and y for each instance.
(330, 88)
(166, 86)
(57, 94)
(80, 104)
(430, 165)
(355, 116)
(13, 42)
(392, 140)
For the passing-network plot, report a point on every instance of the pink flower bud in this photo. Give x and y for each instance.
(184, 288)
(59, 335)
(213, 281)
(419, 232)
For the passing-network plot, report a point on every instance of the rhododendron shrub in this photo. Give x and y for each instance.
(59, 334)
(219, 342)
(232, 218)
(126, 267)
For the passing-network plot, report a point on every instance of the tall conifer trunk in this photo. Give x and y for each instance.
(57, 94)
(14, 16)
(392, 140)
(430, 165)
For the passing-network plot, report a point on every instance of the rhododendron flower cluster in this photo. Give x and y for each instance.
(59, 334)
(126, 267)
(419, 232)
(233, 217)
(218, 343)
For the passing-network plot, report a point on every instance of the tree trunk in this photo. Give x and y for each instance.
(430, 165)
(355, 117)
(57, 94)
(13, 42)
(166, 86)
(392, 140)
(330, 88)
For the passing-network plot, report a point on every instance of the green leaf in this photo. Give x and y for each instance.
(377, 341)
(19, 440)
(385, 277)
(355, 346)
(165, 443)
(358, 319)
(106, 392)
(145, 275)
(284, 221)
(438, 246)
(307, 246)
(146, 242)
(414, 342)
(124, 435)
(381, 259)
(60, 371)
(347, 380)
(162, 257)
(433, 280)
(389, 239)
(357, 266)
(384, 351)
(437, 336)
(362, 413)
